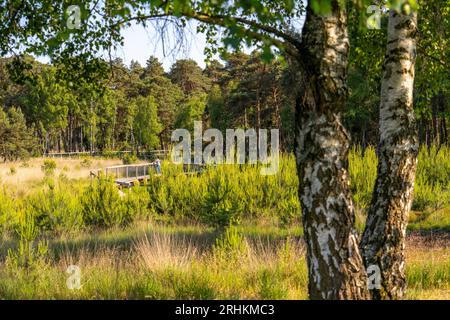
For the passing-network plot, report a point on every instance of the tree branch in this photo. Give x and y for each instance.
(289, 46)
(294, 41)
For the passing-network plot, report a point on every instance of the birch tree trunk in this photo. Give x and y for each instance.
(383, 242)
(335, 266)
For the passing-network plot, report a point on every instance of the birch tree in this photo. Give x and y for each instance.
(335, 266)
(383, 242)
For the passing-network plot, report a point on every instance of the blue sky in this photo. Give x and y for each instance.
(140, 43)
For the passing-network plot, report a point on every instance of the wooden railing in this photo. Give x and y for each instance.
(126, 171)
(127, 175)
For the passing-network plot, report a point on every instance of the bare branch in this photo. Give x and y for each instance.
(289, 46)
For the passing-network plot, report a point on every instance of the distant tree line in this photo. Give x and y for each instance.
(138, 106)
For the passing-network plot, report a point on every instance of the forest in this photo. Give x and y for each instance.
(140, 106)
(137, 107)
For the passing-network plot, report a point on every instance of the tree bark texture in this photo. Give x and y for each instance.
(383, 242)
(335, 266)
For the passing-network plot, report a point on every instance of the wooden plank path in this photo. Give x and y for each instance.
(128, 175)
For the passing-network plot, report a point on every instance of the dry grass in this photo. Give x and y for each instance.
(428, 266)
(161, 251)
(28, 173)
(163, 264)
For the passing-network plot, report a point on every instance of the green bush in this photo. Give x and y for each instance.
(30, 253)
(57, 207)
(48, 167)
(285, 185)
(363, 173)
(218, 196)
(220, 206)
(129, 158)
(432, 186)
(272, 287)
(137, 203)
(102, 205)
(12, 170)
(86, 163)
(8, 209)
(231, 247)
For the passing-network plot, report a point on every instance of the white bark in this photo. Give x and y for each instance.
(335, 266)
(384, 237)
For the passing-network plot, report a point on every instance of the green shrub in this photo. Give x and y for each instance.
(129, 158)
(434, 165)
(86, 163)
(231, 247)
(56, 208)
(271, 287)
(102, 205)
(363, 173)
(48, 167)
(220, 206)
(29, 253)
(137, 203)
(12, 170)
(8, 207)
(286, 186)
(218, 196)
(433, 220)
(226, 193)
(432, 186)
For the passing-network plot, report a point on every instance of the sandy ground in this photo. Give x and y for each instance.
(30, 171)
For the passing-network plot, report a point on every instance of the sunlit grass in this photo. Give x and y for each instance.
(155, 263)
(166, 240)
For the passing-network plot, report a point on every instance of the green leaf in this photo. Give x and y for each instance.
(321, 7)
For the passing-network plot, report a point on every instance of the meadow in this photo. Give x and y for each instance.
(226, 233)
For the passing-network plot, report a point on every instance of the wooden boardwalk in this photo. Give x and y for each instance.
(129, 175)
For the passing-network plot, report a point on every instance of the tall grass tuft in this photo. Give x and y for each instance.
(363, 173)
(162, 251)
